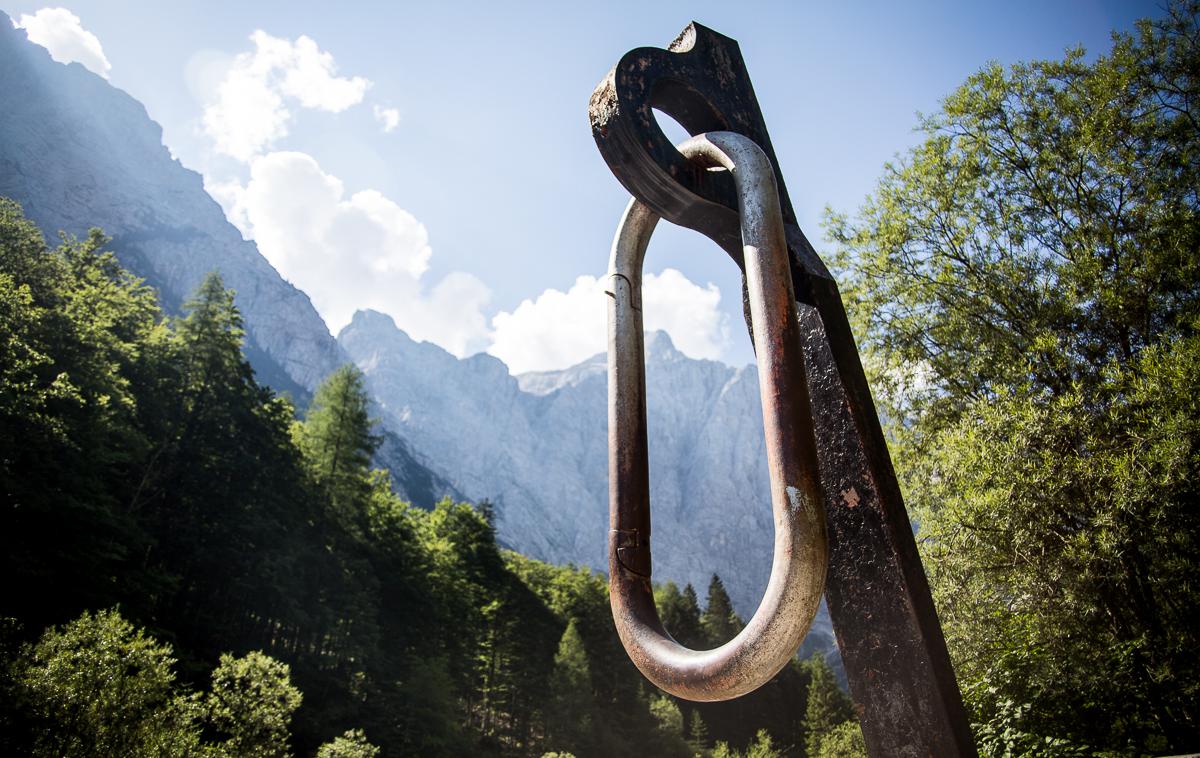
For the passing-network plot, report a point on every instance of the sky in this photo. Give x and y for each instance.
(434, 161)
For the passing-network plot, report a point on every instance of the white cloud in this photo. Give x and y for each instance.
(388, 118)
(59, 31)
(555, 330)
(691, 314)
(251, 109)
(347, 253)
(558, 329)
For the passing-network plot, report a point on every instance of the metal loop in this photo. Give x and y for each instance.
(797, 581)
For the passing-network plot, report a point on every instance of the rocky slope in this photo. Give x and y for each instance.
(536, 445)
(76, 153)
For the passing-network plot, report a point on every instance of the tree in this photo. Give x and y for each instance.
(668, 736)
(680, 614)
(827, 707)
(251, 705)
(337, 440)
(719, 622)
(761, 747)
(568, 717)
(697, 733)
(843, 741)
(100, 687)
(352, 744)
(79, 339)
(1025, 286)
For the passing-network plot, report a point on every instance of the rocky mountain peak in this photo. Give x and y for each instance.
(659, 347)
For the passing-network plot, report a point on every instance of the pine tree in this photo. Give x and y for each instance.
(571, 706)
(336, 437)
(680, 614)
(827, 706)
(719, 622)
(697, 737)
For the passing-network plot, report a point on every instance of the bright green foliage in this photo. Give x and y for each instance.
(1026, 290)
(251, 705)
(99, 687)
(668, 736)
(78, 337)
(570, 707)
(148, 467)
(719, 622)
(762, 747)
(352, 744)
(1084, 586)
(337, 441)
(667, 714)
(680, 614)
(697, 734)
(827, 706)
(843, 741)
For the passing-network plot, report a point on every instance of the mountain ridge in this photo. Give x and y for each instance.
(77, 152)
(546, 471)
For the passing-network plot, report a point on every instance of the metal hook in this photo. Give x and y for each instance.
(797, 581)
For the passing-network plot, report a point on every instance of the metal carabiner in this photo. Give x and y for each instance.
(797, 581)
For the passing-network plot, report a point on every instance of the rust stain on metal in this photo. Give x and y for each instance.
(886, 625)
(797, 580)
(850, 497)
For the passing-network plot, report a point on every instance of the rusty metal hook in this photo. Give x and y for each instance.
(797, 580)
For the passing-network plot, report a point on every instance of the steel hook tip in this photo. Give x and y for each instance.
(797, 581)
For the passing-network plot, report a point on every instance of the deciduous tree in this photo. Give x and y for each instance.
(1025, 286)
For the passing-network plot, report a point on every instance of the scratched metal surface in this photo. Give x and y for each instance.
(775, 631)
(887, 629)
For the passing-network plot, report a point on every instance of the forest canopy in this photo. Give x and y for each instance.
(192, 568)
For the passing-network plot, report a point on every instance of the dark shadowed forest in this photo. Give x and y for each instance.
(191, 568)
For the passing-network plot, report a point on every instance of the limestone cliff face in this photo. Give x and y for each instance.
(76, 152)
(536, 445)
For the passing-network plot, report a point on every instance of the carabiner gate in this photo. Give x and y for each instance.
(797, 580)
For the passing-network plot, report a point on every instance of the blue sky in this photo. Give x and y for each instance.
(437, 162)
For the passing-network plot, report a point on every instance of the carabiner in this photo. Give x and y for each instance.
(797, 580)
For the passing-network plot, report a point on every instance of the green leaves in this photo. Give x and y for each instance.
(251, 704)
(1025, 286)
(100, 687)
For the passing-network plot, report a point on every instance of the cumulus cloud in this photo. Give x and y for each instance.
(558, 329)
(60, 31)
(251, 109)
(388, 118)
(352, 252)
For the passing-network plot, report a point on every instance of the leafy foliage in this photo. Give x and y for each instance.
(352, 744)
(150, 468)
(251, 703)
(1025, 289)
(843, 741)
(827, 708)
(100, 687)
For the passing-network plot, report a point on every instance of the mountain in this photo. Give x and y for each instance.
(77, 153)
(536, 446)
